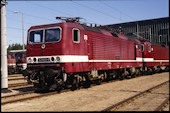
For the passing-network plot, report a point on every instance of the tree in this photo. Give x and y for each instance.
(15, 46)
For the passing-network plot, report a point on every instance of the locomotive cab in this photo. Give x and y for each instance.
(155, 57)
(49, 47)
(147, 53)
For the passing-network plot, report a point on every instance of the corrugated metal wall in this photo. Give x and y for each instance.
(154, 30)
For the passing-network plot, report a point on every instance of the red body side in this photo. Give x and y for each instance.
(161, 55)
(156, 55)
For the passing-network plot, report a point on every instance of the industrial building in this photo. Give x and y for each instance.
(154, 30)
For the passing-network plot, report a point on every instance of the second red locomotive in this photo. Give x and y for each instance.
(16, 61)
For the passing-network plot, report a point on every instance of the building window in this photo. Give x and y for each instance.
(76, 35)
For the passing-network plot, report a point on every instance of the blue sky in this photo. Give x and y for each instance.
(97, 11)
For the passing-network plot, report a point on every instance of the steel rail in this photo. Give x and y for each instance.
(41, 95)
(132, 97)
(15, 95)
(34, 96)
(11, 79)
(18, 84)
(15, 75)
(37, 96)
(160, 107)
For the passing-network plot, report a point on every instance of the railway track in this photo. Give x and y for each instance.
(17, 81)
(14, 79)
(31, 94)
(26, 96)
(162, 105)
(15, 75)
(14, 98)
(19, 85)
(132, 103)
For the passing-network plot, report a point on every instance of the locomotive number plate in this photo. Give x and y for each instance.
(43, 60)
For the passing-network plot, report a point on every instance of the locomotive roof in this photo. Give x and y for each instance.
(99, 30)
(131, 36)
(94, 29)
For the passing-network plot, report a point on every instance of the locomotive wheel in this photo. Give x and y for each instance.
(98, 81)
(167, 68)
(74, 87)
(141, 73)
(11, 71)
(150, 71)
(134, 75)
(108, 76)
(75, 84)
(121, 77)
(86, 84)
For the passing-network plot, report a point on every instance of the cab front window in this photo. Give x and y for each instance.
(52, 35)
(43, 35)
(36, 36)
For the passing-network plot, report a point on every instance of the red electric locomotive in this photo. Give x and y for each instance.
(71, 53)
(155, 57)
(16, 61)
(11, 63)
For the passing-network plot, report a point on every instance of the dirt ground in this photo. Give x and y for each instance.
(15, 76)
(95, 98)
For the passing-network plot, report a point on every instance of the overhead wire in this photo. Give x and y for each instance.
(117, 10)
(16, 28)
(54, 10)
(97, 10)
(9, 18)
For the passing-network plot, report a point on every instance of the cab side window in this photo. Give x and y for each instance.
(142, 47)
(76, 35)
(139, 47)
(149, 48)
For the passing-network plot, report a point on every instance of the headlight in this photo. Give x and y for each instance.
(34, 59)
(58, 59)
(29, 60)
(52, 59)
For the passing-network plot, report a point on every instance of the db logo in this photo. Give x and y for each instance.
(43, 46)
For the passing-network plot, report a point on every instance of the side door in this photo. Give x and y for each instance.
(135, 50)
